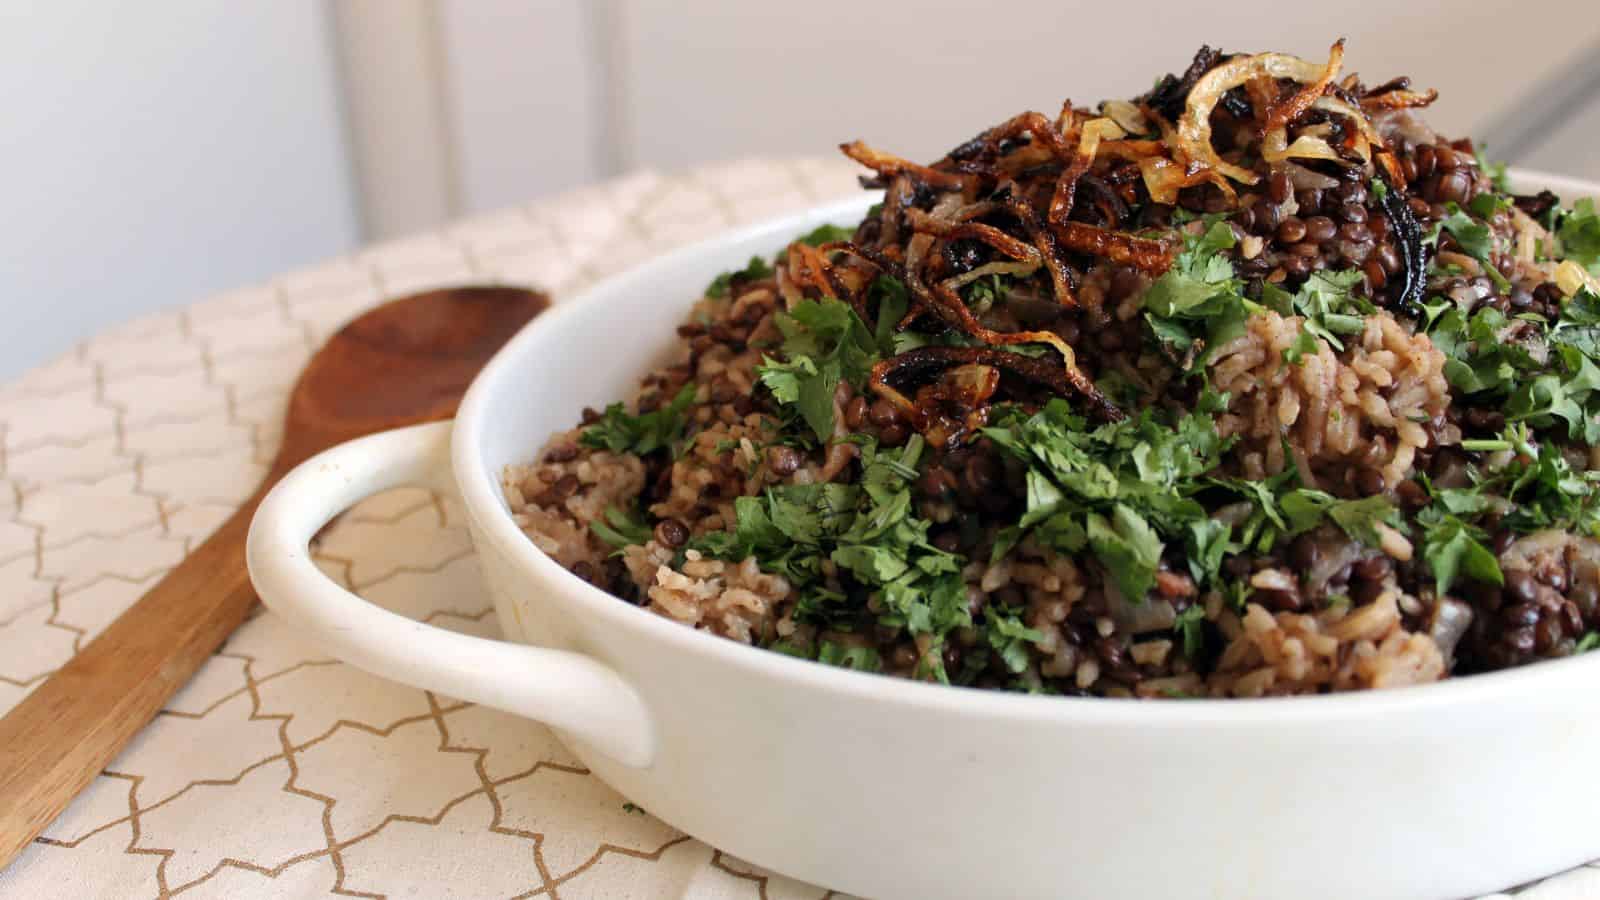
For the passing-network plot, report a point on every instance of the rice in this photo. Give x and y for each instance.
(1290, 653)
(1364, 406)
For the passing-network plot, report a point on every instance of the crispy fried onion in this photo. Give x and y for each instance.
(1281, 113)
(1398, 99)
(889, 166)
(1192, 139)
(959, 403)
(942, 300)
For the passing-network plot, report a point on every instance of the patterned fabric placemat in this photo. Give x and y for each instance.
(279, 772)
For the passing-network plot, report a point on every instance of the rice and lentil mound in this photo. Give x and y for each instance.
(1253, 385)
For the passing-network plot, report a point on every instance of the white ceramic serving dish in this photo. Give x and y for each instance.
(888, 788)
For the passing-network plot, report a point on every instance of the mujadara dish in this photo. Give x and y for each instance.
(1252, 385)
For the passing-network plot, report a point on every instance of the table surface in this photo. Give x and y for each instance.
(278, 771)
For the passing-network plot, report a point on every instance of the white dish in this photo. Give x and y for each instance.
(891, 788)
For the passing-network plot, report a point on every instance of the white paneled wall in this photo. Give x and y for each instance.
(156, 153)
(543, 94)
(513, 141)
(720, 78)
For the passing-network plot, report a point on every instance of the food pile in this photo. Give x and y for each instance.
(1251, 385)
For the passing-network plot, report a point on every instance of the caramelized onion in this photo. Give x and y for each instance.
(889, 166)
(1193, 137)
(1399, 99)
(1281, 114)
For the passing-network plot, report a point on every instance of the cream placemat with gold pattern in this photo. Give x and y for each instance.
(279, 772)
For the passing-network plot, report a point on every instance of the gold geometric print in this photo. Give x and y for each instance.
(278, 771)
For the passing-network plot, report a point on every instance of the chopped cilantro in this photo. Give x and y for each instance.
(1580, 234)
(984, 293)
(892, 300)
(1191, 627)
(1476, 240)
(825, 342)
(1122, 490)
(1304, 343)
(1128, 547)
(1010, 638)
(1548, 377)
(1487, 204)
(620, 432)
(1495, 170)
(1453, 550)
(755, 270)
(1329, 305)
(826, 234)
(1304, 508)
(1197, 303)
(620, 529)
(866, 531)
(862, 659)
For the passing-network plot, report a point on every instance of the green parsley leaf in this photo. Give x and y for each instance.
(1452, 550)
(1005, 540)
(620, 432)
(1487, 204)
(1305, 508)
(1128, 548)
(1495, 170)
(1206, 541)
(826, 234)
(1197, 303)
(1590, 641)
(1191, 626)
(825, 342)
(1331, 309)
(755, 270)
(1580, 234)
(861, 659)
(1476, 240)
(892, 301)
(1010, 638)
(620, 529)
(983, 294)
(1305, 342)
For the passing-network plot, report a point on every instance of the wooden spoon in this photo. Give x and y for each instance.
(405, 362)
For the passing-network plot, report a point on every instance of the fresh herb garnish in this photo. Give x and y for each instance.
(1329, 305)
(862, 659)
(984, 293)
(1191, 628)
(1580, 235)
(757, 269)
(826, 234)
(1549, 377)
(1009, 638)
(1476, 240)
(1197, 304)
(1122, 490)
(1495, 170)
(866, 531)
(620, 432)
(620, 529)
(1454, 550)
(1305, 508)
(825, 342)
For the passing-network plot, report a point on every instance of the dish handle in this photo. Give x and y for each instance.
(566, 690)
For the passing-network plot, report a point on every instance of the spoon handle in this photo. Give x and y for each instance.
(64, 733)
